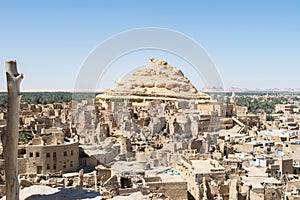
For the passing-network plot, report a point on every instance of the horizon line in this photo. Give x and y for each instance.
(230, 89)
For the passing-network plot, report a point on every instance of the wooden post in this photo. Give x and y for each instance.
(12, 136)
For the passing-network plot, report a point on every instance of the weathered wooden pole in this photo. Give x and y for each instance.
(12, 135)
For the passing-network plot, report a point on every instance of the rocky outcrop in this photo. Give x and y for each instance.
(159, 79)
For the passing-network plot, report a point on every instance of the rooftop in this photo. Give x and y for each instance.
(206, 166)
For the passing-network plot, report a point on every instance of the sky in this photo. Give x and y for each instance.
(254, 44)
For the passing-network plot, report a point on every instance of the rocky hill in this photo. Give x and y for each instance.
(158, 79)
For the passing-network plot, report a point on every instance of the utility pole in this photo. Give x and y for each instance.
(12, 135)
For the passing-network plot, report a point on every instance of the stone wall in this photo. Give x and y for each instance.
(174, 190)
(21, 165)
(43, 159)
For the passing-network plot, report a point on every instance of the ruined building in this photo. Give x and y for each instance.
(155, 99)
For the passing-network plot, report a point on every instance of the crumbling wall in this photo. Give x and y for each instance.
(174, 190)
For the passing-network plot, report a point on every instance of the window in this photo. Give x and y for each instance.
(54, 166)
(37, 154)
(65, 153)
(48, 155)
(54, 154)
(48, 166)
(71, 152)
(30, 154)
(71, 165)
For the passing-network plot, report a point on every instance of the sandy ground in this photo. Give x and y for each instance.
(36, 192)
(135, 196)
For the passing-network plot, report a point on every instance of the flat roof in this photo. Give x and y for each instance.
(167, 174)
(280, 133)
(256, 182)
(130, 166)
(205, 166)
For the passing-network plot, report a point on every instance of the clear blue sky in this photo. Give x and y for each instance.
(254, 44)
